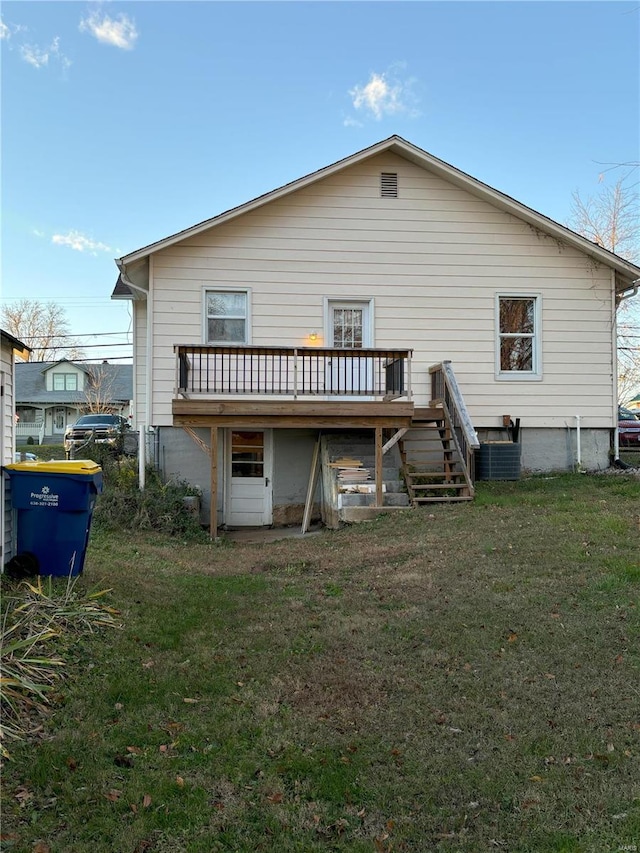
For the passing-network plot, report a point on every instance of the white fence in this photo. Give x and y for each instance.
(35, 430)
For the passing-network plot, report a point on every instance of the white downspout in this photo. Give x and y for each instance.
(616, 441)
(578, 446)
(149, 343)
(142, 457)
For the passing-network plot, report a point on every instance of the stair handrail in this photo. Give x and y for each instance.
(449, 393)
(465, 457)
(445, 391)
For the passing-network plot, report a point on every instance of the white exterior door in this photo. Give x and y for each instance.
(248, 496)
(59, 420)
(350, 327)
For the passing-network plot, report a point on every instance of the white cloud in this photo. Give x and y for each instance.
(120, 32)
(32, 54)
(385, 94)
(39, 57)
(79, 242)
(5, 32)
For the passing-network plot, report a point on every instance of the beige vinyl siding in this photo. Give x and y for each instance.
(7, 430)
(6, 449)
(432, 260)
(140, 361)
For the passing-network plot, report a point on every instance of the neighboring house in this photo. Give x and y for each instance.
(634, 403)
(9, 348)
(52, 395)
(335, 304)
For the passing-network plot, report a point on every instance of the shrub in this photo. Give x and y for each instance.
(123, 506)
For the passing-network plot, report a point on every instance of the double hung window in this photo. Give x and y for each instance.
(65, 382)
(518, 353)
(227, 316)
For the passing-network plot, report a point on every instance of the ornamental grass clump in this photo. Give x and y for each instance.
(40, 620)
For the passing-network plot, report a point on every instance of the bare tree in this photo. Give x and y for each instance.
(44, 327)
(611, 219)
(98, 391)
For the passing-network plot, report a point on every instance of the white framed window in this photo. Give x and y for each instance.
(226, 313)
(518, 334)
(65, 382)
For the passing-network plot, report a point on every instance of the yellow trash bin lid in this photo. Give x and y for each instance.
(57, 466)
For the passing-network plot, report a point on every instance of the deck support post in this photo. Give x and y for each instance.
(213, 516)
(379, 498)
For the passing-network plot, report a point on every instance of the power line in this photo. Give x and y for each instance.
(84, 346)
(79, 335)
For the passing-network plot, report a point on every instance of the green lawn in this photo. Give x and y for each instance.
(456, 678)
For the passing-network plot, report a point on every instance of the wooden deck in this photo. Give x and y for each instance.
(291, 414)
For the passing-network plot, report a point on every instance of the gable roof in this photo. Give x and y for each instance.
(31, 386)
(17, 346)
(629, 273)
(45, 366)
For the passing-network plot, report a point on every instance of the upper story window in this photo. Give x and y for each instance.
(227, 316)
(518, 345)
(65, 381)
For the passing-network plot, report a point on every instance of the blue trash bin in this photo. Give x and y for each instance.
(54, 502)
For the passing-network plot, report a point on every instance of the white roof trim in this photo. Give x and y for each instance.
(400, 146)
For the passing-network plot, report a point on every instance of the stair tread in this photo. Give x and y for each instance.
(439, 500)
(438, 485)
(435, 474)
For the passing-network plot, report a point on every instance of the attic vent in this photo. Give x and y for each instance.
(389, 185)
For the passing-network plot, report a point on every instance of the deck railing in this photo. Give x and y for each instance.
(293, 371)
(445, 391)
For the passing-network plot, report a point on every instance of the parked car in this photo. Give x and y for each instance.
(101, 428)
(628, 428)
(24, 456)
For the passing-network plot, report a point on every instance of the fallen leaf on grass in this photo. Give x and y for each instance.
(179, 781)
(512, 637)
(113, 796)
(146, 801)
(41, 847)
(23, 795)
(276, 797)
(535, 778)
(148, 664)
(72, 764)
(135, 750)
(191, 701)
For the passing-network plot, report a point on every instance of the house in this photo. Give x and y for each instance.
(52, 395)
(386, 298)
(634, 403)
(10, 347)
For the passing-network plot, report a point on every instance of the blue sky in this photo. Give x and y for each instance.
(124, 122)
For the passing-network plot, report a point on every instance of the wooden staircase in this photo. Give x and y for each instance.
(437, 452)
(432, 460)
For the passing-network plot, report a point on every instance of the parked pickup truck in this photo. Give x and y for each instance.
(101, 428)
